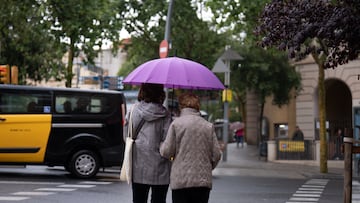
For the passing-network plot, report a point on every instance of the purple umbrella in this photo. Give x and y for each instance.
(175, 72)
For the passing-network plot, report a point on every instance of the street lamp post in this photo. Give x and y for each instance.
(167, 39)
(221, 67)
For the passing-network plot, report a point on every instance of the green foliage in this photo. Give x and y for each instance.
(327, 30)
(237, 17)
(36, 34)
(190, 37)
(84, 25)
(268, 73)
(26, 43)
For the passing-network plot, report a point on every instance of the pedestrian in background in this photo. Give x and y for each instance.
(192, 144)
(239, 137)
(150, 170)
(338, 141)
(298, 134)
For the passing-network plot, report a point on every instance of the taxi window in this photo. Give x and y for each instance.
(82, 104)
(15, 102)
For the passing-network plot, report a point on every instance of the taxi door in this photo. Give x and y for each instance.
(25, 122)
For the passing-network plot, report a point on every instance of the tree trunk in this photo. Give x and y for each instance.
(243, 115)
(69, 73)
(261, 123)
(322, 120)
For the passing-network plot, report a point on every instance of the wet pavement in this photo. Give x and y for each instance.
(245, 161)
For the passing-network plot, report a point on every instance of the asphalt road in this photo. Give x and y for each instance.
(41, 184)
(243, 178)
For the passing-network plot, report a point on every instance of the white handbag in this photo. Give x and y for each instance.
(126, 168)
(125, 174)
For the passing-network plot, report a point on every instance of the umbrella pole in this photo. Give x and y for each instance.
(172, 101)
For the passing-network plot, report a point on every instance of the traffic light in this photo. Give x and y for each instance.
(14, 75)
(4, 74)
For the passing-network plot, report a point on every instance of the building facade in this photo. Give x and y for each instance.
(91, 76)
(342, 86)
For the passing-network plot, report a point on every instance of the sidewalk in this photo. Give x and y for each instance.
(246, 162)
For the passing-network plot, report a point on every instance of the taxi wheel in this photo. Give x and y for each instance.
(84, 164)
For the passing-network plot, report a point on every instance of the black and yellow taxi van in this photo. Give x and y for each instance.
(75, 128)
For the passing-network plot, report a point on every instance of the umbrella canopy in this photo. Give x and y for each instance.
(175, 72)
(236, 125)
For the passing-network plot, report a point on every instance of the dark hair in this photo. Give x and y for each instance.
(151, 93)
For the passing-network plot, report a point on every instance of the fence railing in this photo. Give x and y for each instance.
(295, 150)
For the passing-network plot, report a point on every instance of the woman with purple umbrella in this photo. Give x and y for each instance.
(151, 121)
(192, 144)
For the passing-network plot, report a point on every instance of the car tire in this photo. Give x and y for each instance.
(84, 164)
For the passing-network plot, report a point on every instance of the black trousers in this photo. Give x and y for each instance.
(141, 193)
(191, 195)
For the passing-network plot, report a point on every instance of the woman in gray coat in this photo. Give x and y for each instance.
(149, 169)
(192, 144)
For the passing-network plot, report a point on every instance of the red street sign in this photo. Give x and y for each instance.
(163, 49)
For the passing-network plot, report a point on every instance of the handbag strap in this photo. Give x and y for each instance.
(138, 128)
(131, 132)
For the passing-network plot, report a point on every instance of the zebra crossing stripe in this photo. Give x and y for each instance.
(31, 182)
(356, 189)
(57, 189)
(311, 189)
(303, 199)
(12, 198)
(313, 186)
(306, 195)
(310, 192)
(96, 183)
(33, 193)
(61, 187)
(76, 186)
(302, 202)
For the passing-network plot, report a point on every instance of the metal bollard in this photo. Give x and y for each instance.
(348, 144)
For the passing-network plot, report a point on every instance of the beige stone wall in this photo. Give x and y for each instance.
(307, 101)
(280, 115)
(303, 110)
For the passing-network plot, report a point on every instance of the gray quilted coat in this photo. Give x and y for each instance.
(192, 142)
(148, 166)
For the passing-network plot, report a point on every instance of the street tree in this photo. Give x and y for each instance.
(268, 74)
(326, 30)
(84, 25)
(25, 41)
(191, 37)
(239, 19)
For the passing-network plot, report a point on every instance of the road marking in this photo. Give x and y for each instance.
(302, 202)
(76, 186)
(60, 187)
(355, 192)
(306, 195)
(310, 192)
(56, 189)
(31, 183)
(96, 183)
(12, 198)
(313, 186)
(33, 193)
(312, 189)
(302, 199)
